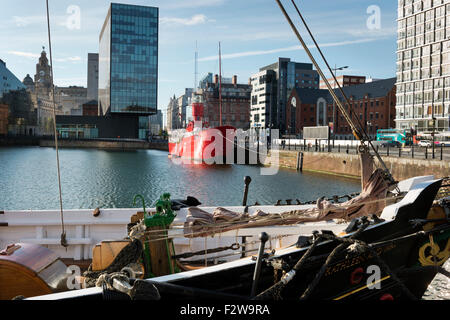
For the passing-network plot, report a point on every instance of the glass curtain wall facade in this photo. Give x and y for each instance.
(128, 60)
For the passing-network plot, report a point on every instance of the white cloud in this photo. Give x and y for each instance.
(291, 48)
(194, 20)
(68, 59)
(26, 21)
(35, 56)
(24, 54)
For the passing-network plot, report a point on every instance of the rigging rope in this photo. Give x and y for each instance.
(221, 226)
(63, 232)
(359, 133)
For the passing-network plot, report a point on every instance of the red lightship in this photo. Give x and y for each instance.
(200, 143)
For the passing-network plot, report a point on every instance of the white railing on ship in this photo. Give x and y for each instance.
(83, 230)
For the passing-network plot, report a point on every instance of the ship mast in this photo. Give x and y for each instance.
(196, 67)
(220, 87)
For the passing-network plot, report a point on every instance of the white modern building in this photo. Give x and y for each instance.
(271, 88)
(263, 101)
(423, 66)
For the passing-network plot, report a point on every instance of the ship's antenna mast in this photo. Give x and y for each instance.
(220, 87)
(359, 133)
(196, 67)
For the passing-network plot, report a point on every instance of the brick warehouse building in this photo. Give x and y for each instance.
(373, 103)
(235, 103)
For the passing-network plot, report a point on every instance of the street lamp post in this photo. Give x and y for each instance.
(433, 132)
(334, 103)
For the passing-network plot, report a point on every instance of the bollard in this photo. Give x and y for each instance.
(263, 237)
(426, 152)
(441, 151)
(412, 151)
(399, 152)
(247, 181)
(339, 148)
(301, 162)
(387, 150)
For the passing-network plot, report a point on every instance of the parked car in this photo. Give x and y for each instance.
(391, 144)
(385, 144)
(424, 143)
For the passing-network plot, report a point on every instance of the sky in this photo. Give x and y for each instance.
(360, 34)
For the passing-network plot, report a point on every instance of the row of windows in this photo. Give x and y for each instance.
(436, 60)
(425, 97)
(423, 73)
(420, 40)
(424, 85)
(132, 10)
(419, 6)
(422, 111)
(424, 51)
(422, 29)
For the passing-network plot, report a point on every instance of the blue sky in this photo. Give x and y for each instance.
(253, 33)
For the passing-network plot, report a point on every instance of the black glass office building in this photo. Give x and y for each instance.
(128, 62)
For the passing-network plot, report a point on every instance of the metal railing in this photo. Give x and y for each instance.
(436, 152)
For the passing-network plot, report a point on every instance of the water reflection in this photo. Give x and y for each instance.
(99, 178)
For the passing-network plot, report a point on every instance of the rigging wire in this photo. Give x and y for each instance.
(359, 133)
(63, 232)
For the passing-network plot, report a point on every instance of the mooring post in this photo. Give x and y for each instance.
(263, 237)
(301, 162)
(247, 181)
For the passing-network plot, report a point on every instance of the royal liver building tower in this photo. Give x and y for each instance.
(423, 67)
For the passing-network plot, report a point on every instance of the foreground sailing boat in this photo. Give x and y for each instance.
(391, 256)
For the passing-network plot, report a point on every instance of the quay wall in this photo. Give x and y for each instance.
(349, 164)
(106, 144)
(19, 141)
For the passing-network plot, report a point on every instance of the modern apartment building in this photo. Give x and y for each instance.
(423, 66)
(274, 83)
